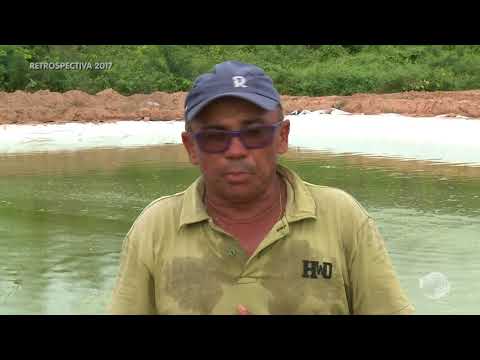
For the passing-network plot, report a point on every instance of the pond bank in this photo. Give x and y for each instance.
(44, 106)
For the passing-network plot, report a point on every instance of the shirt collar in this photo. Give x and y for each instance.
(300, 203)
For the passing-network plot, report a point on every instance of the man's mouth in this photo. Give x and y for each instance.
(237, 176)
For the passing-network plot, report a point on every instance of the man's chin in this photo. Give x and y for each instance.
(237, 194)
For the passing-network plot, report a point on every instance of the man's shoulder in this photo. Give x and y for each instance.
(168, 204)
(328, 198)
(323, 190)
(328, 192)
(160, 213)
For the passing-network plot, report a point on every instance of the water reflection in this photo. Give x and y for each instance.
(63, 217)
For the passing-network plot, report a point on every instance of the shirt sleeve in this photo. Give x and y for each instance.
(375, 288)
(134, 292)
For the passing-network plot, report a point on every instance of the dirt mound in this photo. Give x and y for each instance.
(44, 106)
(414, 103)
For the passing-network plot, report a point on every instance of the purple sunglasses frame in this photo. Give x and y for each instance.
(238, 133)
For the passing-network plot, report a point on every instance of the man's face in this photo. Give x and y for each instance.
(238, 174)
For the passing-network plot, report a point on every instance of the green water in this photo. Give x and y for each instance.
(63, 218)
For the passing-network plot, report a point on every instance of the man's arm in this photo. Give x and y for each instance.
(375, 288)
(134, 292)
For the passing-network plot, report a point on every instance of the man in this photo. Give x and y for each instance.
(249, 236)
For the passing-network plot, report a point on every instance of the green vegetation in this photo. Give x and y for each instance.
(311, 70)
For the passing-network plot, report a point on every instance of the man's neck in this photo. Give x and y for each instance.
(269, 201)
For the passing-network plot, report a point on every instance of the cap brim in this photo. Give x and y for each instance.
(259, 100)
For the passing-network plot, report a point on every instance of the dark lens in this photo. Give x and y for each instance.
(257, 137)
(212, 140)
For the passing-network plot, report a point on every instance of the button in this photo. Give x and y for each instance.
(232, 252)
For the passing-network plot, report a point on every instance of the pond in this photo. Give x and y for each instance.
(64, 212)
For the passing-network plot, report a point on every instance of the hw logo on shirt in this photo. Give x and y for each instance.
(313, 269)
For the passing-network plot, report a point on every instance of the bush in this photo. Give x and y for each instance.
(296, 69)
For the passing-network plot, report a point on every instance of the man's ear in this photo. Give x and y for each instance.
(283, 141)
(189, 143)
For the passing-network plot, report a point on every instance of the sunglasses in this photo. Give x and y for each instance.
(217, 141)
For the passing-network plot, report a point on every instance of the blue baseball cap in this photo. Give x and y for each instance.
(231, 78)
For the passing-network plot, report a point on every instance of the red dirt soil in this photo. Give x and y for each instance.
(44, 106)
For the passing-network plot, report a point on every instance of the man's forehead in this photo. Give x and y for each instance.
(230, 123)
(232, 112)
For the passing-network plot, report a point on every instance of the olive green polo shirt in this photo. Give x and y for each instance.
(325, 256)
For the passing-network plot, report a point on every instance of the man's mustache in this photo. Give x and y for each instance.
(240, 167)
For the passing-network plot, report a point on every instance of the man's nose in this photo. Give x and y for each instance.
(236, 149)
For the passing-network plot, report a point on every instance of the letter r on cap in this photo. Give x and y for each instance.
(239, 81)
